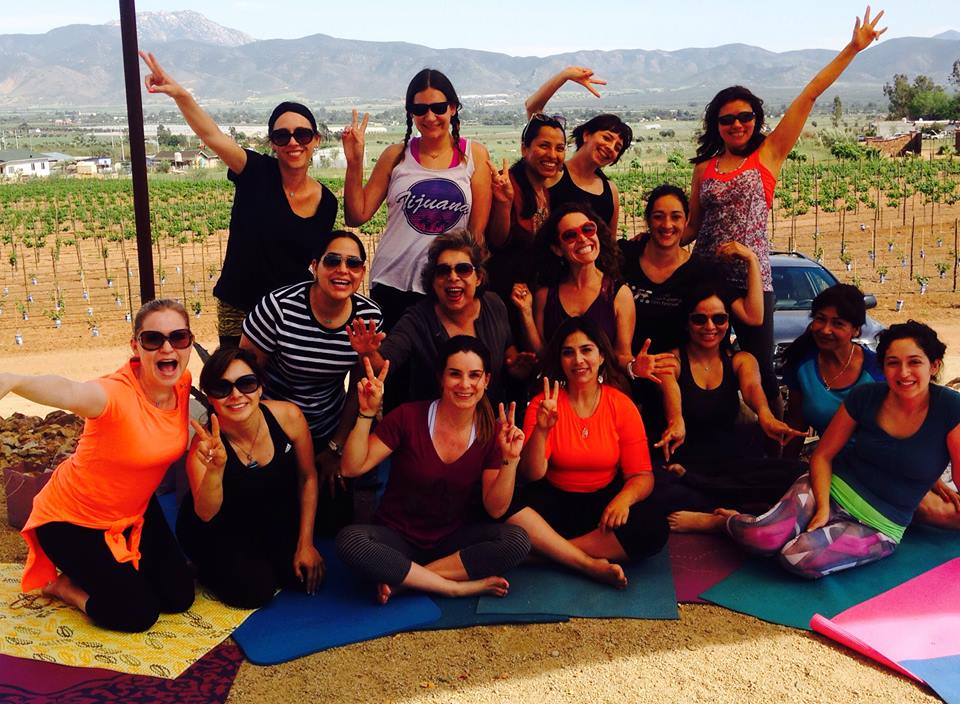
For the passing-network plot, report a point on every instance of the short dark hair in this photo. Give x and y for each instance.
(528, 199)
(215, 367)
(701, 292)
(710, 142)
(457, 241)
(847, 299)
(921, 333)
(552, 267)
(601, 123)
(665, 189)
(552, 367)
(290, 106)
(324, 244)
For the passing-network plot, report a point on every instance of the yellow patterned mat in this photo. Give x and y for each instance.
(32, 626)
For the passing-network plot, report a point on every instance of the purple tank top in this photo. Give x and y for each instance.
(601, 311)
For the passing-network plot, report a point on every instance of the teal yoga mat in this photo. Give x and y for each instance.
(549, 589)
(763, 589)
(462, 613)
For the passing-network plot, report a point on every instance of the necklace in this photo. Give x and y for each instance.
(736, 168)
(250, 463)
(828, 384)
(584, 430)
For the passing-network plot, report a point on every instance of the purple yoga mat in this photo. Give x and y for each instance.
(699, 561)
(209, 679)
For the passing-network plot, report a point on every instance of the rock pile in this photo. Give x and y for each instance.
(40, 442)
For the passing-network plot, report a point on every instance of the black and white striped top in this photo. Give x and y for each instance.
(308, 362)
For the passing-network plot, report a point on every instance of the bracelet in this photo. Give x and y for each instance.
(363, 415)
(630, 372)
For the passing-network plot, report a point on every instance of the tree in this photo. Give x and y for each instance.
(899, 94)
(955, 74)
(837, 111)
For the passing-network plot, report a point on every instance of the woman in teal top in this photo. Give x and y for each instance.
(883, 450)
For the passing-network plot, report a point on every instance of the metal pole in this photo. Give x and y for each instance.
(138, 152)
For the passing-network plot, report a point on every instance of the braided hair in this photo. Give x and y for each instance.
(432, 78)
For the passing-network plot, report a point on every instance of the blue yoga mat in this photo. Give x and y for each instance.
(549, 589)
(343, 611)
(462, 613)
(942, 674)
(763, 589)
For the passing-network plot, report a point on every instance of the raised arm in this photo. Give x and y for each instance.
(696, 214)
(500, 482)
(205, 464)
(776, 147)
(85, 399)
(501, 209)
(533, 459)
(748, 308)
(361, 202)
(363, 451)
(625, 312)
(578, 74)
(158, 81)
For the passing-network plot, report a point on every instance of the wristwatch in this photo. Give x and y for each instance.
(335, 448)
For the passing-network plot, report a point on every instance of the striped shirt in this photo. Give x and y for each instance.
(308, 362)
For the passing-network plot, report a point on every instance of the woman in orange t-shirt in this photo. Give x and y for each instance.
(96, 520)
(579, 509)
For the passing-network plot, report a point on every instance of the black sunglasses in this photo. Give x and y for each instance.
(420, 109)
(462, 269)
(558, 121)
(303, 135)
(700, 319)
(152, 340)
(332, 261)
(741, 117)
(221, 388)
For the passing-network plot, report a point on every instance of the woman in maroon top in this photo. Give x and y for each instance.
(449, 456)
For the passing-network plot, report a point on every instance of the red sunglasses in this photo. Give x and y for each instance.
(587, 229)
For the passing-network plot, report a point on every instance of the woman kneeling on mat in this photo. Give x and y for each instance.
(97, 520)
(856, 502)
(247, 523)
(430, 532)
(579, 511)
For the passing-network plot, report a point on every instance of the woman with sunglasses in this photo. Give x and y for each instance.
(279, 212)
(587, 460)
(719, 460)
(300, 337)
(434, 184)
(247, 523)
(453, 468)
(734, 180)
(601, 141)
(97, 537)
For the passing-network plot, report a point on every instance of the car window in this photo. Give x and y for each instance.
(796, 287)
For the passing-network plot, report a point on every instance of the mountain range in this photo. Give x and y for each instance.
(80, 66)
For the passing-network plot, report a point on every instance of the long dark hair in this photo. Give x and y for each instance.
(701, 292)
(606, 122)
(847, 299)
(710, 143)
(216, 365)
(432, 78)
(554, 268)
(552, 367)
(665, 189)
(921, 333)
(528, 199)
(467, 343)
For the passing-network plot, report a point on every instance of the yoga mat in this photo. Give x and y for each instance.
(38, 682)
(549, 589)
(343, 611)
(34, 627)
(462, 613)
(763, 589)
(699, 561)
(913, 628)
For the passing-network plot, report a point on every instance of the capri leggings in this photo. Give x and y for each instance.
(383, 555)
(842, 543)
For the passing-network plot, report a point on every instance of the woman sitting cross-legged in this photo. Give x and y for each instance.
(587, 457)
(247, 523)
(859, 497)
(453, 468)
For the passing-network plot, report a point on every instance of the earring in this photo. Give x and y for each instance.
(600, 378)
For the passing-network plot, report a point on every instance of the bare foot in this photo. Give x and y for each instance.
(384, 592)
(494, 586)
(65, 590)
(695, 522)
(607, 572)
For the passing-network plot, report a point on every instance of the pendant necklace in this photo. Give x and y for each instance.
(250, 463)
(828, 384)
(584, 430)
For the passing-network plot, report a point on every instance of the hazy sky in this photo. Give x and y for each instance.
(526, 28)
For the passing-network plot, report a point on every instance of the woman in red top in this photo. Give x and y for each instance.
(587, 457)
(96, 520)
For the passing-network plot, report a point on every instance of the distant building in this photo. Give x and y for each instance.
(188, 159)
(17, 163)
(901, 145)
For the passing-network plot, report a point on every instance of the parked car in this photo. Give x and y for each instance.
(796, 282)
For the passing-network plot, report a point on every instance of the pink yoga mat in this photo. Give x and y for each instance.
(699, 561)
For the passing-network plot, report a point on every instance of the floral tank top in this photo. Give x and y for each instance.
(735, 206)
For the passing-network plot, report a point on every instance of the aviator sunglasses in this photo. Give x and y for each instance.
(332, 261)
(558, 121)
(221, 388)
(587, 229)
(462, 269)
(700, 319)
(420, 109)
(303, 135)
(152, 340)
(742, 117)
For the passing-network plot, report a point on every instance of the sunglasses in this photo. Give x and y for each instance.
(587, 229)
(333, 260)
(221, 388)
(303, 135)
(558, 121)
(741, 117)
(153, 340)
(420, 109)
(462, 268)
(700, 319)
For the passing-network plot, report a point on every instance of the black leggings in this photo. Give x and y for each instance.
(382, 555)
(758, 341)
(123, 598)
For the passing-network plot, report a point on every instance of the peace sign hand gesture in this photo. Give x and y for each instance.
(500, 182)
(209, 448)
(547, 410)
(158, 81)
(354, 138)
(364, 338)
(584, 76)
(510, 437)
(866, 33)
(370, 390)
